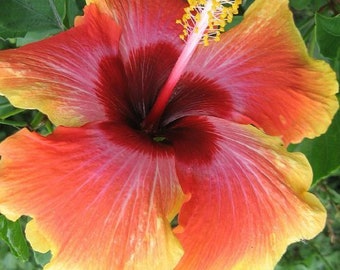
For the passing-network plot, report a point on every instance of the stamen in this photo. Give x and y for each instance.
(203, 20)
(220, 13)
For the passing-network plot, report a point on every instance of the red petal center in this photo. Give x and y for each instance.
(128, 90)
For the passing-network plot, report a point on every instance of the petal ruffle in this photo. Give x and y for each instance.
(97, 201)
(264, 66)
(61, 75)
(248, 196)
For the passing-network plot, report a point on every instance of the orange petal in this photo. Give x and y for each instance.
(60, 76)
(248, 196)
(263, 64)
(97, 201)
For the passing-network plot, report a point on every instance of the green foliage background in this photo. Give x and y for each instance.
(25, 21)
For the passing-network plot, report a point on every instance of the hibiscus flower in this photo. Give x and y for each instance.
(149, 126)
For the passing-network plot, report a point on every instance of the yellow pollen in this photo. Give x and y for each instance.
(220, 13)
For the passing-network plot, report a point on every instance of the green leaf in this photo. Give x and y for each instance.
(9, 262)
(13, 123)
(20, 16)
(4, 43)
(323, 152)
(335, 196)
(42, 258)
(59, 10)
(74, 8)
(336, 65)
(328, 34)
(246, 4)
(35, 36)
(236, 20)
(7, 110)
(300, 4)
(13, 235)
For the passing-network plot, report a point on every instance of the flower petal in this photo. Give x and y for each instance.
(263, 64)
(248, 196)
(101, 197)
(61, 75)
(149, 45)
(145, 22)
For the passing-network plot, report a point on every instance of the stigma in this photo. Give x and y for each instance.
(207, 19)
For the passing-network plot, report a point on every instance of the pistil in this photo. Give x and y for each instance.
(203, 20)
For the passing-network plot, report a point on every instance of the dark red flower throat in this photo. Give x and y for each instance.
(129, 89)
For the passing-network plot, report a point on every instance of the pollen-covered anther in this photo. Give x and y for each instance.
(217, 14)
